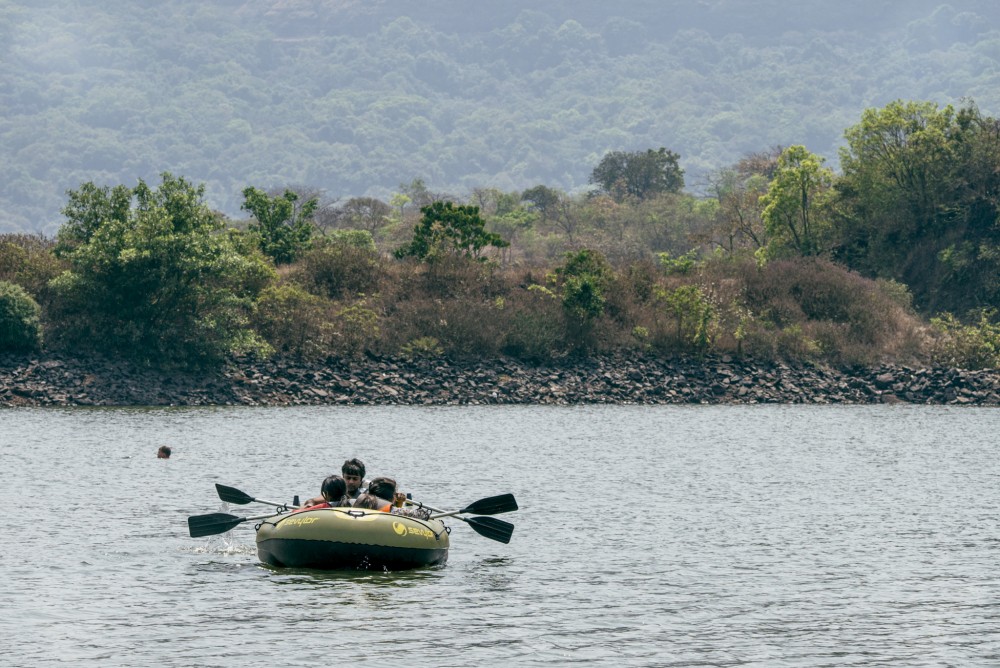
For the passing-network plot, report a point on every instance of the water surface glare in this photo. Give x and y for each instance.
(647, 536)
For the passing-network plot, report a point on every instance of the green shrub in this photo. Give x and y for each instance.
(693, 315)
(583, 297)
(20, 319)
(966, 346)
(584, 279)
(425, 347)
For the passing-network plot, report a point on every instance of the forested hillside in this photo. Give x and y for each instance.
(355, 98)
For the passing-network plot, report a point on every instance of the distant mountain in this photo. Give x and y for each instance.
(355, 97)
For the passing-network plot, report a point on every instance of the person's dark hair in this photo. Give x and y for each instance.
(383, 488)
(353, 467)
(163, 452)
(334, 489)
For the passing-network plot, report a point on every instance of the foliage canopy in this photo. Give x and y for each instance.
(639, 174)
(449, 229)
(155, 275)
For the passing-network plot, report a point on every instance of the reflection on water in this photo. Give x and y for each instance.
(722, 536)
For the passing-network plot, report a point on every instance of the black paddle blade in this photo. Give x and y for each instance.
(493, 505)
(233, 495)
(491, 528)
(212, 524)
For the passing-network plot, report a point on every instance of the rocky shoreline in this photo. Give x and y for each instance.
(59, 380)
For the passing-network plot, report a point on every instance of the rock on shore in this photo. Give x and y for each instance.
(54, 380)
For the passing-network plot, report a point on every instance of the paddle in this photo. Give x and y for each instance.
(233, 495)
(490, 527)
(491, 505)
(215, 523)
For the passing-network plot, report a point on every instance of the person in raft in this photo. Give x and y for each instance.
(163, 452)
(353, 471)
(335, 492)
(380, 491)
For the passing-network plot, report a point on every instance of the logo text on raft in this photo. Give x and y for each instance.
(297, 521)
(403, 530)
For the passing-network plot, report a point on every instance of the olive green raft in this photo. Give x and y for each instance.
(335, 538)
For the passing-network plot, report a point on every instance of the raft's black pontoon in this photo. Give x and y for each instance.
(339, 538)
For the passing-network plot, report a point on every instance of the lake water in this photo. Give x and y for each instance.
(647, 536)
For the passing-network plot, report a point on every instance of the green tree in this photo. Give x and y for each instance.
(160, 280)
(639, 174)
(918, 202)
(285, 230)
(585, 278)
(20, 319)
(447, 228)
(543, 199)
(693, 313)
(793, 215)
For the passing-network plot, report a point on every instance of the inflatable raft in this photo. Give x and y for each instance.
(343, 538)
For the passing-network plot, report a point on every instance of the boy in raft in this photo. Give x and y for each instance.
(382, 489)
(353, 471)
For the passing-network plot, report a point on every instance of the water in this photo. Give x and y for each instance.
(647, 536)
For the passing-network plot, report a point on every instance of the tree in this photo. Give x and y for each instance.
(446, 228)
(793, 217)
(739, 222)
(418, 193)
(285, 229)
(896, 169)
(641, 175)
(916, 202)
(693, 312)
(363, 213)
(584, 278)
(155, 276)
(509, 225)
(543, 199)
